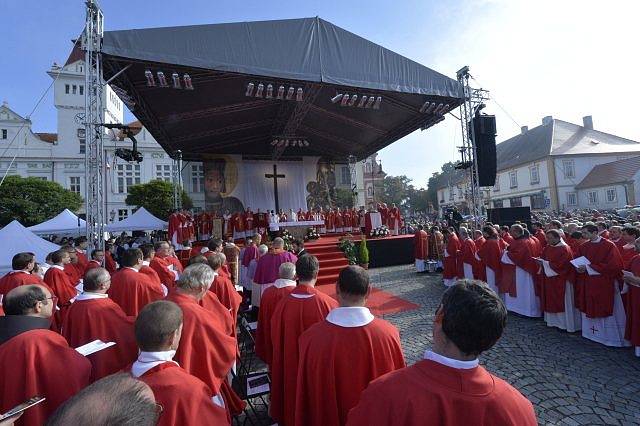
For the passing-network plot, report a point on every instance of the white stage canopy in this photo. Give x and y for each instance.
(66, 223)
(141, 220)
(15, 239)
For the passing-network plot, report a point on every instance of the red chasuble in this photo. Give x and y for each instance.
(490, 254)
(520, 253)
(205, 350)
(632, 327)
(466, 254)
(17, 278)
(185, 399)
(330, 383)
(594, 293)
(110, 264)
(541, 237)
(449, 263)
(82, 260)
(211, 302)
(161, 266)
(432, 393)
(553, 288)
(88, 320)
(92, 264)
(40, 362)
(62, 287)
(421, 245)
(151, 274)
(268, 303)
(228, 296)
(292, 317)
(133, 291)
(72, 272)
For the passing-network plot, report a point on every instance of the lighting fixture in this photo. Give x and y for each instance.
(299, 94)
(363, 100)
(345, 100)
(290, 93)
(176, 81)
(280, 93)
(187, 82)
(259, 90)
(269, 91)
(425, 106)
(353, 100)
(370, 102)
(249, 91)
(336, 98)
(376, 105)
(151, 82)
(438, 108)
(162, 79)
(430, 108)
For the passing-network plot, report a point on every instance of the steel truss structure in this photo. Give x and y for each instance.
(473, 102)
(93, 120)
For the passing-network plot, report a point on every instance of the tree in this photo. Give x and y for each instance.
(344, 198)
(157, 197)
(396, 191)
(32, 200)
(435, 179)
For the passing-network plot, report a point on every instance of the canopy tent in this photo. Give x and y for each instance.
(246, 77)
(65, 223)
(15, 239)
(141, 220)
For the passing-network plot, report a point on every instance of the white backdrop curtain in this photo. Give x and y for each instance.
(258, 190)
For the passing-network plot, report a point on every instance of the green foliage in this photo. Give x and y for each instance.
(396, 190)
(157, 197)
(349, 249)
(344, 198)
(435, 179)
(32, 200)
(363, 256)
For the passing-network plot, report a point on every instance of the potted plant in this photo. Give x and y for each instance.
(363, 256)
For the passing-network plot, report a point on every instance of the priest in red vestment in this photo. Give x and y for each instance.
(394, 220)
(466, 257)
(72, 269)
(490, 254)
(538, 232)
(505, 235)
(298, 311)
(162, 266)
(35, 360)
(59, 282)
(329, 383)
(129, 288)
(603, 317)
(97, 258)
(450, 272)
(80, 244)
(632, 280)
(175, 228)
(628, 238)
(518, 270)
(148, 253)
(556, 292)
(207, 351)
(94, 316)
(22, 265)
(270, 299)
(224, 289)
(421, 248)
(185, 399)
(109, 263)
(603, 230)
(449, 387)
(267, 269)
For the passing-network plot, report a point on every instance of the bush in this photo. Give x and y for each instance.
(364, 251)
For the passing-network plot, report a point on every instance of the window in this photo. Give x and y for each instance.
(497, 204)
(537, 201)
(345, 176)
(534, 175)
(569, 169)
(127, 175)
(370, 191)
(81, 90)
(515, 201)
(197, 178)
(74, 184)
(74, 88)
(4, 133)
(451, 194)
(572, 199)
(123, 214)
(496, 187)
(163, 172)
(83, 146)
(592, 197)
(81, 133)
(513, 179)
(612, 195)
(66, 89)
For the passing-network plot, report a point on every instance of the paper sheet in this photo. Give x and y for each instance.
(477, 257)
(257, 384)
(591, 271)
(505, 259)
(580, 261)
(548, 270)
(93, 347)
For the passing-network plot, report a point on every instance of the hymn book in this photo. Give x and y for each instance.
(93, 347)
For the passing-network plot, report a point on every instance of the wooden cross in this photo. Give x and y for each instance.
(593, 329)
(275, 176)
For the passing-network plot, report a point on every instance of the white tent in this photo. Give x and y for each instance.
(141, 220)
(66, 223)
(15, 238)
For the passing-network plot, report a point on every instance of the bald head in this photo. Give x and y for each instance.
(158, 326)
(96, 280)
(516, 231)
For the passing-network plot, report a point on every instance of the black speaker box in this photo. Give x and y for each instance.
(484, 129)
(510, 215)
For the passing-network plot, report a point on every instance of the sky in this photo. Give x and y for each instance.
(564, 58)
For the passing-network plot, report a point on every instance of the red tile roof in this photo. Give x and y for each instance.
(48, 137)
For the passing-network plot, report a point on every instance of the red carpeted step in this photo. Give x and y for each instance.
(326, 279)
(327, 263)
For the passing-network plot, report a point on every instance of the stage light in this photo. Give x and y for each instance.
(269, 91)
(425, 106)
(280, 95)
(363, 100)
(376, 105)
(370, 102)
(274, 142)
(176, 81)
(438, 108)
(249, 91)
(306, 143)
(187, 82)
(286, 143)
(345, 100)
(353, 100)
(290, 93)
(430, 109)
(162, 79)
(259, 90)
(151, 82)
(336, 98)
(299, 94)
(281, 142)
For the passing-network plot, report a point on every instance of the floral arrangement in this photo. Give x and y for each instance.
(288, 239)
(348, 247)
(381, 231)
(312, 234)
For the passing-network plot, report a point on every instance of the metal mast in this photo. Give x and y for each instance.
(176, 168)
(93, 118)
(473, 102)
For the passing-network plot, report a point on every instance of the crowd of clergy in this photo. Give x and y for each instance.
(176, 333)
(578, 276)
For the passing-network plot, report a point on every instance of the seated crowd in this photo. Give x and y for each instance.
(176, 339)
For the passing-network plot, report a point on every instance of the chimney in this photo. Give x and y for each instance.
(587, 122)
(548, 119)
(524, 129)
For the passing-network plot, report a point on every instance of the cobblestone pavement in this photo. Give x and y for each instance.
(569, 380)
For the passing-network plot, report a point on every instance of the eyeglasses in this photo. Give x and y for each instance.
(54, 299)
(159, 410)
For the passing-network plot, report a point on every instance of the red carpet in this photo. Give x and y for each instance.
(380, 302)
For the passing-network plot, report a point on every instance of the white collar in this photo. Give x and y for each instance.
(352, 316)
(145, 263)
(94, 261)
(58, 267)
(282, 283)
(147, 360)
(129, 267)
(450, 362)
(87, 295)
(629, 246)
(597, 239)
(560, 243)
(17, 272)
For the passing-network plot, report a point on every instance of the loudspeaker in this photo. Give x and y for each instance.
(510, 215)
(484, 129)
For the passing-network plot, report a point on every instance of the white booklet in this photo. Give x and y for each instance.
(580, 261)
(93, 347)
(506, 259)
